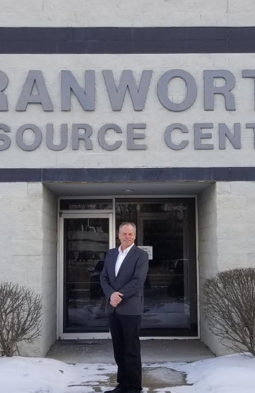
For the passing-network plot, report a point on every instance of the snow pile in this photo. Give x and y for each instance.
(225, 374)
(35, 375)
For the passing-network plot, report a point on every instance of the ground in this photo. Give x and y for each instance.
(226, 374)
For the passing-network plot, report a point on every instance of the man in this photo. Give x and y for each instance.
(122, 281)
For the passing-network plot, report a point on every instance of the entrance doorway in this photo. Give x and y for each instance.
(166, 229)
(86, 238)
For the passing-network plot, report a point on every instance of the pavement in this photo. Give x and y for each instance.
(155, 355)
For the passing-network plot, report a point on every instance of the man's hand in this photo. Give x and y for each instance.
(116, 298)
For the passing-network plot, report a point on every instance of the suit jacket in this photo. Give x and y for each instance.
(129, 281)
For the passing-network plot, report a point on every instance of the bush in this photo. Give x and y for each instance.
(20, 317)
(229, 305)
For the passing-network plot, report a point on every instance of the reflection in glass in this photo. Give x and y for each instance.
(85, 242)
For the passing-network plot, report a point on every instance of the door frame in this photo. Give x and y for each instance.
(60, 272)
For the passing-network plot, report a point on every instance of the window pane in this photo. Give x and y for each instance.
(85, 204)
(85, 242)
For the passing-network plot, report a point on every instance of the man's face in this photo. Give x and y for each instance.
(126, 236)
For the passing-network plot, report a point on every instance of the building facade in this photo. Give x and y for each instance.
(137, 112)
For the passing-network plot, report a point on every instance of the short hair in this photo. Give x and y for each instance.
(128, 223)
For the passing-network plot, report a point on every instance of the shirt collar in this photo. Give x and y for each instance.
(126, 249)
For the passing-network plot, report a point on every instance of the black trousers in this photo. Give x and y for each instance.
(126, 347)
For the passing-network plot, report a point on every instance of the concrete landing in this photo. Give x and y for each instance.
(153, 351)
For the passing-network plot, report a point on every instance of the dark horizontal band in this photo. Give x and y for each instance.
(141, 175)
(127, 40)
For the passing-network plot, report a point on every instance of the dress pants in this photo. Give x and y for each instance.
(126, 347)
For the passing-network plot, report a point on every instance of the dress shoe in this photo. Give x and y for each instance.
(118, 389)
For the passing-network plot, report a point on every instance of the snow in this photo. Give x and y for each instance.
(233, 373)
(225, 374)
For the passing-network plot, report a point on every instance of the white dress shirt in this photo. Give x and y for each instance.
(122, 255)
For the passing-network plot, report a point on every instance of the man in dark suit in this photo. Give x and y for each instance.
(122, 281)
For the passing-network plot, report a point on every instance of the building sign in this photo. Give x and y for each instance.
(109, 136)
(128, 110)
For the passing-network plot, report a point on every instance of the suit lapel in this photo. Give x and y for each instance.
(124, 263)
(114, 260)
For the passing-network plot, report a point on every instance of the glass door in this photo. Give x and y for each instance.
(86, 238)
(167, 229)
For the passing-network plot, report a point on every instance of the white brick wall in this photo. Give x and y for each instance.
(207, 252)
(127, 13)
(236, 226)
(21, 236)
(226, 214)
(28, 211)
(49, 269)
(28, 250)
(28, 243)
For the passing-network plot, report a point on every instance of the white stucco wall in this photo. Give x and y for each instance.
(28, 250)
(127, 13)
